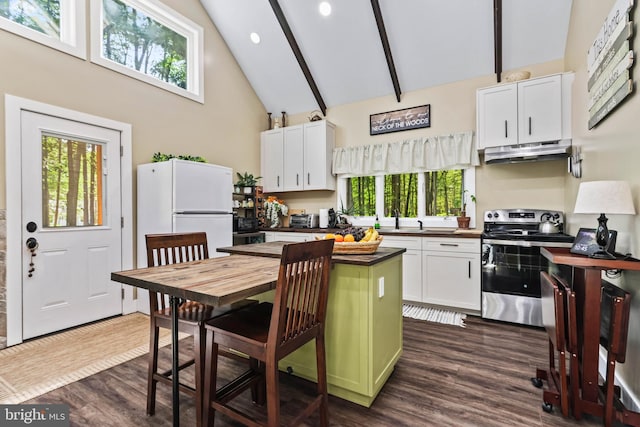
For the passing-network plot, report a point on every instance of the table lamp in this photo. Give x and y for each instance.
(604, 197)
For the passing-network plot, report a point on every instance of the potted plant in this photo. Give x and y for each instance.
(463, 219)
(275, 207)
(248, 181)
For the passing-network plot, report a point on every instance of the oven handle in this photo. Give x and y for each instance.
(527, 243)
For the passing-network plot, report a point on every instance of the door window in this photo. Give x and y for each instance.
(72, 183)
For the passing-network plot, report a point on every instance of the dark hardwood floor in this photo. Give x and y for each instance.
(447, 376)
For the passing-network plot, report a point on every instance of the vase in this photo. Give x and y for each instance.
(463, 221)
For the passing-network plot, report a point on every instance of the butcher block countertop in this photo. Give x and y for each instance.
(274, 250)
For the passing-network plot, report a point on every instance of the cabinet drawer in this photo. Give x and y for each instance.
(401, 242)
(451, 244)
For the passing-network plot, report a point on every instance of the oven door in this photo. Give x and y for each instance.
(511, 280)
(512, 269)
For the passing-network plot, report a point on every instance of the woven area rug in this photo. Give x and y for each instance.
(44, 364)
(431, 314)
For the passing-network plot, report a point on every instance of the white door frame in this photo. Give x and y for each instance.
(13, 107)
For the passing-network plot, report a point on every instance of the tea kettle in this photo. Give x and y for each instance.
(550, 225)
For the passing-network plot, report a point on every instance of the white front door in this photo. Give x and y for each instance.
(71, 223)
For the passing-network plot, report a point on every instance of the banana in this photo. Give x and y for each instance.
(367, 235)
(374, 236)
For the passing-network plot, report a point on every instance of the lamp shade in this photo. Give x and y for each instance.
(608, 197)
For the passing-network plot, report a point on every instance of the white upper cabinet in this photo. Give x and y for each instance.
(296, 158)
(497, 116)
(272, 161)
(293, 155)
(319, 142)
(535, 110)
(540, 110)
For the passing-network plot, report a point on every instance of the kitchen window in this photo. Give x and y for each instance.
(59, 24)
(424, 178)
(432, 197)
(146, 40)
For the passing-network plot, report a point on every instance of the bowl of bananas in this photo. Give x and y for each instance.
(355, 240)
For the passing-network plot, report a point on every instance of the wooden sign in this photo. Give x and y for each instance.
(399, 120)
(609, 63)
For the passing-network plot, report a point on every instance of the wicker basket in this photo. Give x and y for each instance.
(516, 76)
(356, 248)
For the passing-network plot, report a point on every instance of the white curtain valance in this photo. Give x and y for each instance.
(455, 151)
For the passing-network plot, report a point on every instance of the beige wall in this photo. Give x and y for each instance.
(224, 130)
(611, 151)
(453, 109)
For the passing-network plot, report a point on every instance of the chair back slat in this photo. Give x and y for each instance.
(173, 248)
(302, 290)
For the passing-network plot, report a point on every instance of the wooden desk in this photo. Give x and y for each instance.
(587, 282)
(215, 281)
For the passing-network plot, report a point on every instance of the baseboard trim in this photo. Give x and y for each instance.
(629, 399)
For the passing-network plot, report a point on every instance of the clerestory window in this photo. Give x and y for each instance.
(59, 24)
(146, 40)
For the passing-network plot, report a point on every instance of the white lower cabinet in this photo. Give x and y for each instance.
(442, 271)
(411, 265)
(451, 272)
(269, 236)
(285, 236)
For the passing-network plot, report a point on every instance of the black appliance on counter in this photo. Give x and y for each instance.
(511, 262)
(245, 225)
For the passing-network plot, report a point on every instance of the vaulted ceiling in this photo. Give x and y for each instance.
(431, 42)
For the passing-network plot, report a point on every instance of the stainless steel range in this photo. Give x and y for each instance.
(511, 262)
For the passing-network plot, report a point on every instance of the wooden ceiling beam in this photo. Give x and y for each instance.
(298, 54)
(386, 47)
(497, 38)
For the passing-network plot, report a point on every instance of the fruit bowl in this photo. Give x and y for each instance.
(356, 248)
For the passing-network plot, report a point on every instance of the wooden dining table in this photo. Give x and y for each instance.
(215, 282)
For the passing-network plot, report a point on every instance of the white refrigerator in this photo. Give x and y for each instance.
(181, 196)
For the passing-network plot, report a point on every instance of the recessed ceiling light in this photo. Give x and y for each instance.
(255, 38)
(324, 8)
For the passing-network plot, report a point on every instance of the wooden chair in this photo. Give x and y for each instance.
(615, 305)
(175, 248)
(572, 346)
(554, 320)
(268, 332)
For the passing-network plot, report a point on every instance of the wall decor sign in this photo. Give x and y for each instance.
(399, 120)
(609, 63)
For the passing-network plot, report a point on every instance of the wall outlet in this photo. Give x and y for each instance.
(380, 287)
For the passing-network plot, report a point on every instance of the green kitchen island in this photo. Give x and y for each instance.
(363, 330)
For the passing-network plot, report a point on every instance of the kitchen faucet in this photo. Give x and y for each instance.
(420, 223)
(397, 215)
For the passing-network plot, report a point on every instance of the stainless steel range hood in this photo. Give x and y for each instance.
(536, 151)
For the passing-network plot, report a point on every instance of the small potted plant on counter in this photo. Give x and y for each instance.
(247, 181)
(463, 219)
(275, 207)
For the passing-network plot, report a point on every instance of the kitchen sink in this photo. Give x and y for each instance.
(438, 230)
(417, 230)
